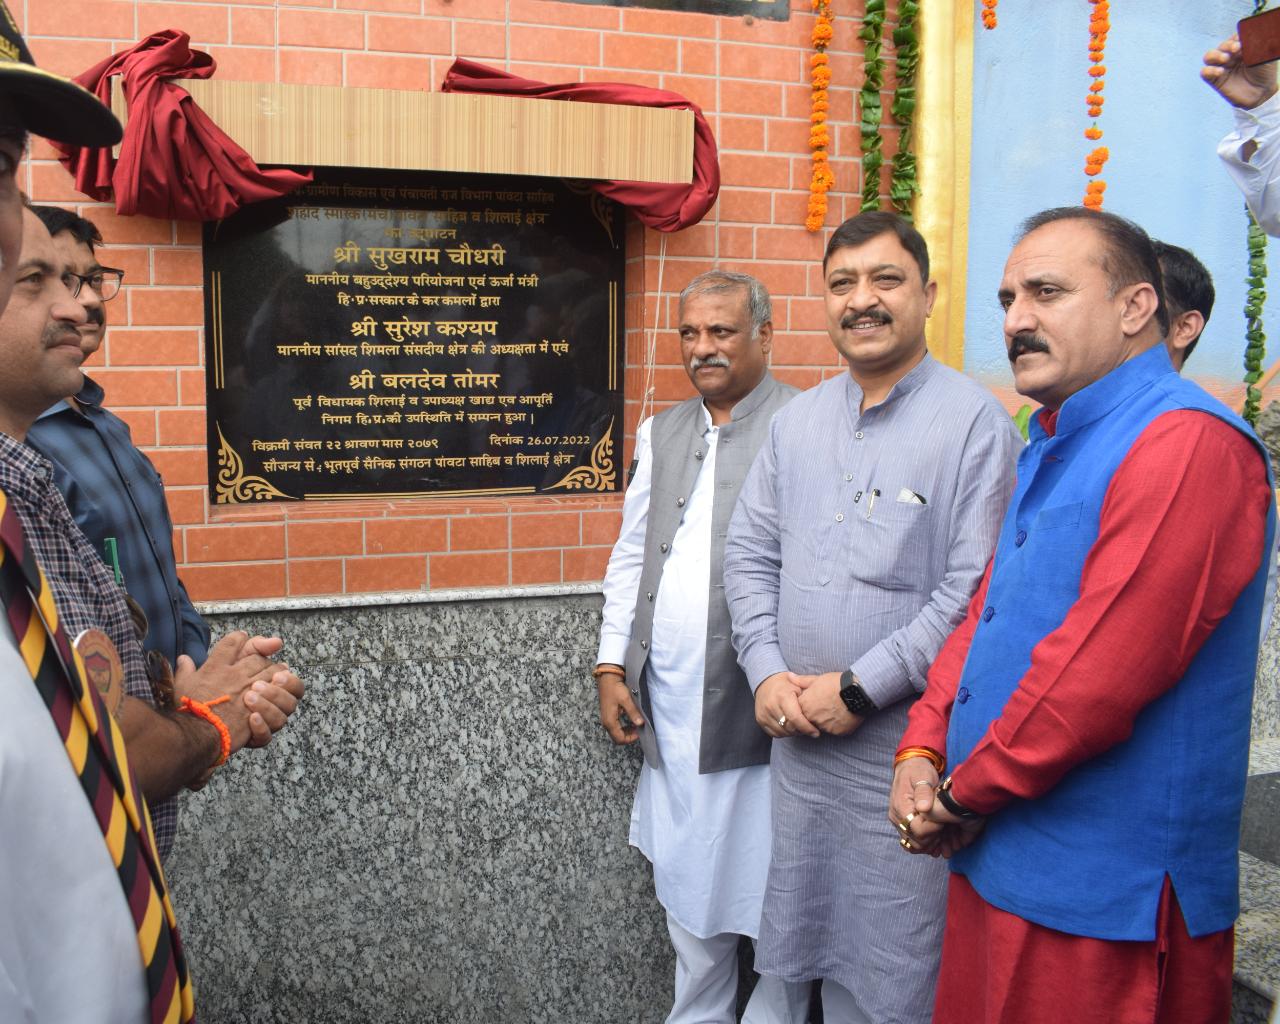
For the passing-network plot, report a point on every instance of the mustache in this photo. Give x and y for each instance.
(60, 334)
(1026, 342)
(697, 364)
(878, 316)
(95, 317)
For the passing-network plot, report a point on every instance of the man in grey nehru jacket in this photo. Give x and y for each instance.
(667, 674)
(861, 532)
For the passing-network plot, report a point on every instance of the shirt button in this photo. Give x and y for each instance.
(664, 548)
(848, 477)
(986, 616)
(698, 454)
(635, 693)
(962, 695)
(644, 644)
(839, 517)
(649, 596)
(680, 502)
(1020, 539)
(858, 435)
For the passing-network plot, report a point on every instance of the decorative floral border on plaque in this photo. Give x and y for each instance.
(600, 206)
(233, 485)
(600, 474)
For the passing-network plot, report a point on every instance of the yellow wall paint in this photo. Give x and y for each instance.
(942, 139)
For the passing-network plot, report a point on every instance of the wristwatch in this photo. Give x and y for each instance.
(951, 803)
(854, 696)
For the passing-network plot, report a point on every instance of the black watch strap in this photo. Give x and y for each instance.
(854, 696)
(951, 803)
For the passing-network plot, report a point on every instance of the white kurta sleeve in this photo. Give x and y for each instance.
(1257, 177)
(622, 578)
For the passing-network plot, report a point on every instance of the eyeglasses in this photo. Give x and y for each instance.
(105, 281)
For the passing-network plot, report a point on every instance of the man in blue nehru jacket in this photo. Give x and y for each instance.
(1094, 706)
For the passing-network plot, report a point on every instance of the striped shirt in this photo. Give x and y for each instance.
(857, 541)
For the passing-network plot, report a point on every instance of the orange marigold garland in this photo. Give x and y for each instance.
(1099, 26)
(819, 136)
(988, 14)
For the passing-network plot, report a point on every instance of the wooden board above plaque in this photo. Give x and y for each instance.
(386, 335)
(334, 126)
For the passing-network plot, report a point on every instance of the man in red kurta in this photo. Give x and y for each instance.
(1106, 696)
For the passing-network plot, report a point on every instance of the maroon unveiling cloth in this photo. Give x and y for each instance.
(663, 207)
(174, 161)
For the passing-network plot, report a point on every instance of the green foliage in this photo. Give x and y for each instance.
(904, 184)
(869, 103)
(1255, 338)
(1022, 420)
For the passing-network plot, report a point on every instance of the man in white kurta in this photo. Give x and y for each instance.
(704, 827)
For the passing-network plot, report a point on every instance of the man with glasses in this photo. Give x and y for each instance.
(112, 489)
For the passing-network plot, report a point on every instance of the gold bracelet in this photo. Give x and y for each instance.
(608, 670)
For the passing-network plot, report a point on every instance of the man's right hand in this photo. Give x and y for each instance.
(615, 701)
(778, 707)
(1239, 85)
(237, 664)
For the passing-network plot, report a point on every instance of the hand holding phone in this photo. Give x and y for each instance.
(1240, 85)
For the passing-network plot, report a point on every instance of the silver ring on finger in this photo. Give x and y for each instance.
(782, 721)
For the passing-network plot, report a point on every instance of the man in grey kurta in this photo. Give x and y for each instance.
(858, 538)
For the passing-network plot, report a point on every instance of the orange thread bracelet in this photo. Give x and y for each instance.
(201, 710)
(937, 760)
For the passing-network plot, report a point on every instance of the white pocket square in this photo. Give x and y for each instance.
(909, 497)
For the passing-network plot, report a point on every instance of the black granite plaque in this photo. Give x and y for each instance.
(391, 334)
(774, 10)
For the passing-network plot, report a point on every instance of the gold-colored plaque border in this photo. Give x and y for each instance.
(599, 475)
(234, 485)
(215, 301)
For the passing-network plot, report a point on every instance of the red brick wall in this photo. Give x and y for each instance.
(751, 78)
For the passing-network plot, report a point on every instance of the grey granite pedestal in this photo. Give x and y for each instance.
(439, 837)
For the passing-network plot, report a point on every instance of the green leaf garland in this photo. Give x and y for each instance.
(869, 103)
(1255, 339)
(904, 184)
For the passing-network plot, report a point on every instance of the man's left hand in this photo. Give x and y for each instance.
(820, 701)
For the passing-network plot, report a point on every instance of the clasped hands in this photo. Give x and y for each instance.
(788, 704)
(263, 693)
(924, 824)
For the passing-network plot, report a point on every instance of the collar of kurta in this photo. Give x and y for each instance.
(752, 400)
(906, 384)
(1092, 403)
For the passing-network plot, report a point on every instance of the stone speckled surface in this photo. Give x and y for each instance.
(439, 836)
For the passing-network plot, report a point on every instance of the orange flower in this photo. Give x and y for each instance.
(1096, 186)
(819, 58)
(1097, 71)
(1093, 133)
(821, 77)
(1097, 86)
(822, 32)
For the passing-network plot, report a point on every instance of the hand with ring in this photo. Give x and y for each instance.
(910, 799)
(778, 707)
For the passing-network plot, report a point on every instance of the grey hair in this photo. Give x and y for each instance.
(715, 282)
